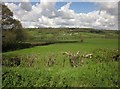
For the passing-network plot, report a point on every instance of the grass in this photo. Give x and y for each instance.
(38, 35)
(87, 45)
(95, 72)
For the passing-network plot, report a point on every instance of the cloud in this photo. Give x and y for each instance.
(66, 13)
(96, 1)
(46, 15)
(110, 7)
(26, 5)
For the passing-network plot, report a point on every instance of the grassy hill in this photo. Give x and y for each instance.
(30, 67)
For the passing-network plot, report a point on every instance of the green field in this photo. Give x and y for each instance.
(99, 71)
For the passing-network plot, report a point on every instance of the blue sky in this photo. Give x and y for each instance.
(79, 7)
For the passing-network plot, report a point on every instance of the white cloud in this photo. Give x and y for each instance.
(46, 15)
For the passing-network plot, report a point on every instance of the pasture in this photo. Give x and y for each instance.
(47, 66)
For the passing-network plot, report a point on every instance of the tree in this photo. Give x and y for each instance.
(12, 31)
(11, 26)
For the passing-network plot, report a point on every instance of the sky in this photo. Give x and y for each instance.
(78, 7)
(98, 15)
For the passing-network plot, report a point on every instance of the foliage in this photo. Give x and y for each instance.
(106, 55)
(23, 61)
(12, 31)
(15, 46)
(96, 31)
(92, 73)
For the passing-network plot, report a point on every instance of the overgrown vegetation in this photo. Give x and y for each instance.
(92, 72)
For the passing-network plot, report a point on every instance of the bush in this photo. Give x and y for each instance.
(14, 46)
(11, 61)
(17, 60)
(96, 31)
(106, 55)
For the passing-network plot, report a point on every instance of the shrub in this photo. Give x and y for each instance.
(106, 55)
(25, 60)
(14, 46)
(11, 61)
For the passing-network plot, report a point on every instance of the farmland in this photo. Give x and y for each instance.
(45, 65)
